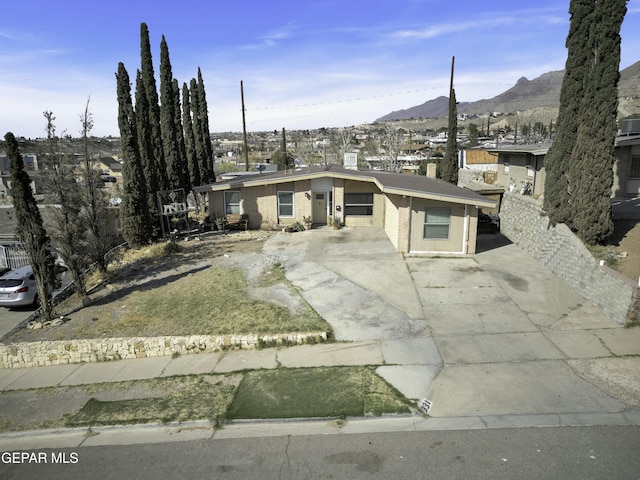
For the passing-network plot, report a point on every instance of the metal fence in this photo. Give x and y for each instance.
(13, 256)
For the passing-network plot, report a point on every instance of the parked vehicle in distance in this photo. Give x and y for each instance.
(18, 287)
(488, 223)
(107, 178)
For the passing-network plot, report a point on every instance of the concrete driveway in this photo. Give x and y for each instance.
(492, 334)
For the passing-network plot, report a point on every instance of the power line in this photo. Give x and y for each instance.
(384, 95)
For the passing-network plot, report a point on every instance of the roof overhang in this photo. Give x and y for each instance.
(360, 176)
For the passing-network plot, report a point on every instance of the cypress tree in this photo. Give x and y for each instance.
(149, 80)
(201, 153)
(282, 158)
(30, 228)
(190, 141)
(146, 155)
(592, 159)
(167, 117)
(134, 209)
(182, 149)
(557, 191)
(204, 128)
(449, 172)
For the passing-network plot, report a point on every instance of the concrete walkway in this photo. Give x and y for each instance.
(492, 340)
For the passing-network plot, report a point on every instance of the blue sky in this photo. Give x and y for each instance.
(304, 63)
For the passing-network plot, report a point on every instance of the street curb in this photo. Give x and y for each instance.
(205, 429)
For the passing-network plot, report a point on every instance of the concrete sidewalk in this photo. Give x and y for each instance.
(490, 340)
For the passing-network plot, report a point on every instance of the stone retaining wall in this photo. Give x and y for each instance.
(33, 354)
(522, 221)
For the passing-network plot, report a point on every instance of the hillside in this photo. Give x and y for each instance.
(540, 93)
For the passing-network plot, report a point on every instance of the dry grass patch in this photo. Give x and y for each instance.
(184, 399)
(198, 288)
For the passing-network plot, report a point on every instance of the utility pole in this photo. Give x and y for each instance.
(244, 131)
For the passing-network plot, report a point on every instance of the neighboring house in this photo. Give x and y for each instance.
(518, 164)
(30, 161)
(525, 163)
(479, 158)
(626, 178)
(419, 214)
(109, 166)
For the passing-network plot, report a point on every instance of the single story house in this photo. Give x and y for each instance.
(419, 214)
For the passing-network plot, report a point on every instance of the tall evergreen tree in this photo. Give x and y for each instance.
(449, 171)
(190, 140)
(134, 209)
(149, 80)
(592, 159)
(198, 127)
(283, 158)
(146, 153)
(167, 120)
(204, 127)
(557, 192)
(182, 148)
(30, 228)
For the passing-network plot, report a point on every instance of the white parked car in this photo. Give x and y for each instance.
(18, 287)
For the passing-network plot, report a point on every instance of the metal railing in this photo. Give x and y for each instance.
(13, 256)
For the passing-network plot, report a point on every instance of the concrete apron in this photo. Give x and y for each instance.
(492, 334)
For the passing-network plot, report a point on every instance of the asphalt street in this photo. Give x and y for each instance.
(580, 453)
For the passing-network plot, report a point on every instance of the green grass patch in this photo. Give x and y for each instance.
(315, 392)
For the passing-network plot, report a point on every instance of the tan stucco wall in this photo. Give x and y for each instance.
(377, 219)
(396, 221)
(454, 244)
(260, 203)
(402, 217)
(391, 219)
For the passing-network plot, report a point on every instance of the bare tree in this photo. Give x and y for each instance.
(392, 143)
(65, 220)
(98, 239)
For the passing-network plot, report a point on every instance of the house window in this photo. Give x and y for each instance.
(635, 167)
(285, 204)
(231, 202)
(506, 168)
(436, 223)
(531, 170)
(358, 203)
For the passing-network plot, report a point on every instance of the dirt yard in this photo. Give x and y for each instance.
(221, 284)
(626, 243)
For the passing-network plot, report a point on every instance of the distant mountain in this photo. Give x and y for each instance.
(543, 91)
(436, 108)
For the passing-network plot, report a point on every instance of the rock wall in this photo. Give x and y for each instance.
(522, 221)
(34, 354)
